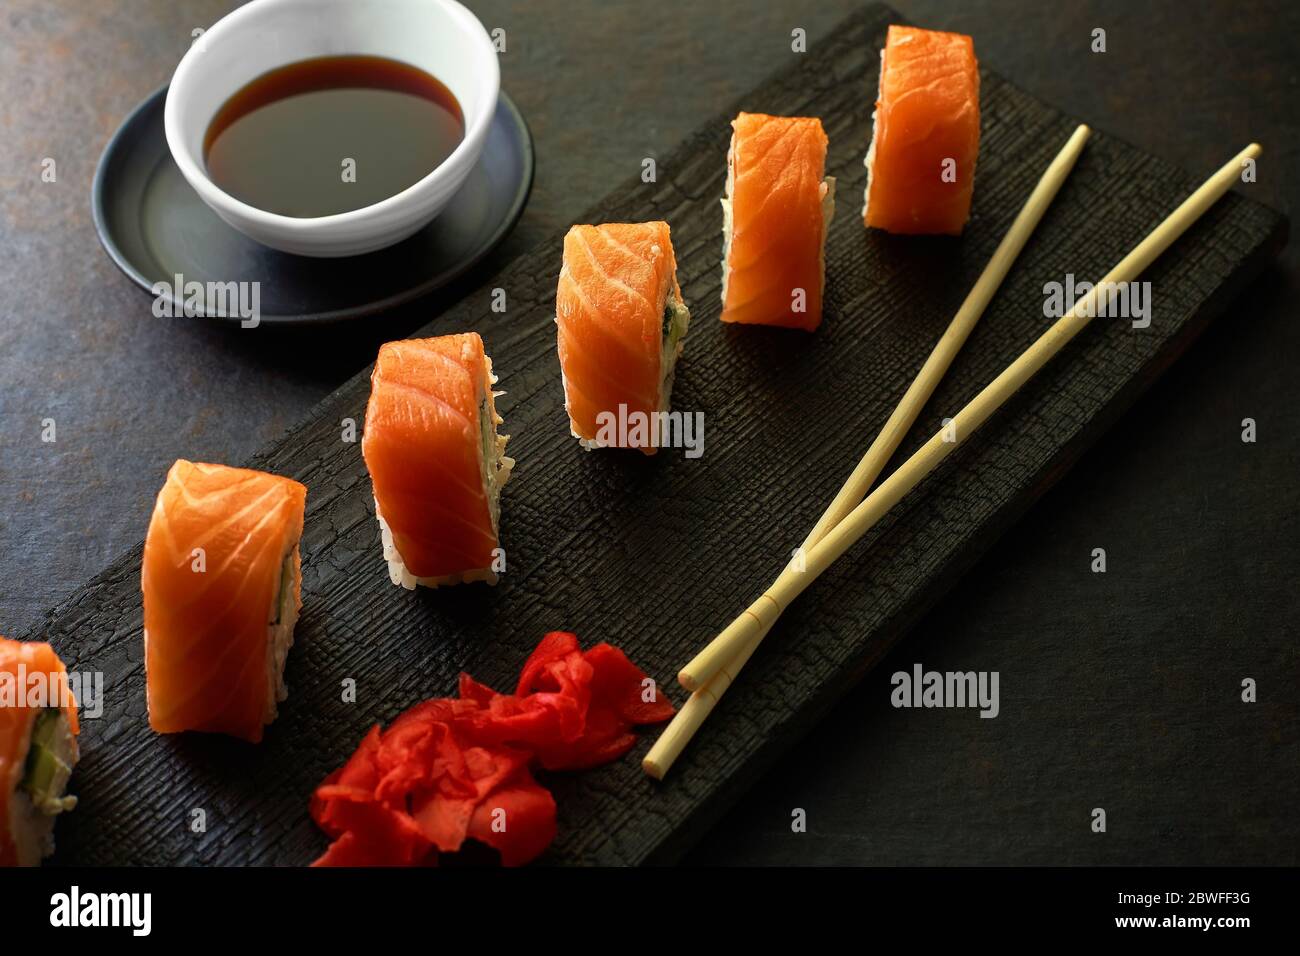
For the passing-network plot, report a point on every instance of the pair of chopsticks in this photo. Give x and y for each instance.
(849, 517)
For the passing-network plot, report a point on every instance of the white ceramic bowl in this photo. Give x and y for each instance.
(440, 37)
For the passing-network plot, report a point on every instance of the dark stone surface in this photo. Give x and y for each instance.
(1119, 688)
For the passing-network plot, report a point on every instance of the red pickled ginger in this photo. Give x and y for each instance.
(457, 768)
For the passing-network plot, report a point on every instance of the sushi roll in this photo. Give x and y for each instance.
(620, 324)
(436, 460)
(921, 161)
(775, 216)
(38, 749)
(222, 583)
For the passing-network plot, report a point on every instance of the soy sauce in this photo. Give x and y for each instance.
(331, 134)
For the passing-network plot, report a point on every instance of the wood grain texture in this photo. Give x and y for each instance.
(655, 554)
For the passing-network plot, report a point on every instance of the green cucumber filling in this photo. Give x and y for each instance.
(491, 457)
(45, 775)
(676, 318)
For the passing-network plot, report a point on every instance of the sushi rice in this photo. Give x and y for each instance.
(870, 161)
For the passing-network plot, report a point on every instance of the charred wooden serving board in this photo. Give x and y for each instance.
(655, 555)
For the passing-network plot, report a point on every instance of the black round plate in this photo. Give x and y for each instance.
(155, 227)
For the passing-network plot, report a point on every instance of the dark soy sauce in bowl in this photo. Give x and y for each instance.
(331, 134)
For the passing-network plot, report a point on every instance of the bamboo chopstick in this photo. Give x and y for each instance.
(709, 662)
(745, 637)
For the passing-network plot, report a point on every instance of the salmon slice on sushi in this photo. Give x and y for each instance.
(621, 322)
(222, 583)
(436, 460)
(775, 216)
(921, 161)
(38, 750)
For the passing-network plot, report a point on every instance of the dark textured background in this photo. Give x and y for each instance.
(1104, 677)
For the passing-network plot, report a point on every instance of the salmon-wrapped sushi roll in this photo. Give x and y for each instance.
(436, 460)
(38, 749)
(775, 215)
(921, 161)
(621, 322)
(222, 582)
